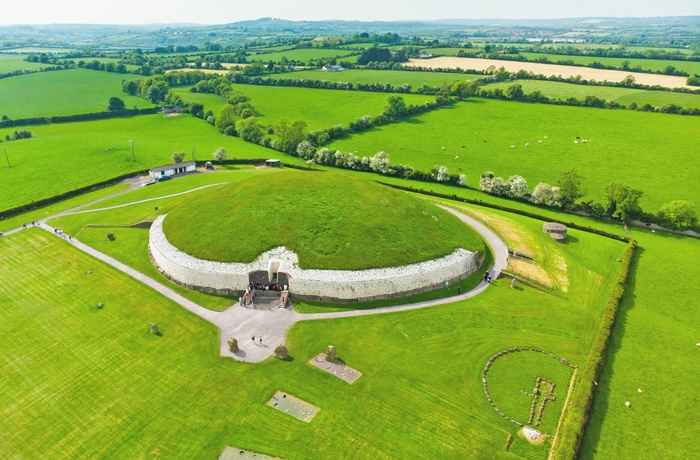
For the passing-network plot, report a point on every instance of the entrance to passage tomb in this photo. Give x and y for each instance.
(267, 288)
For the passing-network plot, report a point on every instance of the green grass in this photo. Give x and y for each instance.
(46, 211)
(563, 91)
(303, 55)
(330, 220)
(74, 155)
(320, 108)
(654, 65)
(85, 372)
(65, 92)
(394, 77)
(10, 63)
(446, 51)
(652, 348)
(642, 150)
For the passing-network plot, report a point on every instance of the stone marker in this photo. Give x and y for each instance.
(281, 352)
(154, 328)
(111, 237)
(99, 305)
(512, 283)
(232, 344)
(330, 354)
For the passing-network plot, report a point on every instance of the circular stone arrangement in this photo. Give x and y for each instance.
(533, 416)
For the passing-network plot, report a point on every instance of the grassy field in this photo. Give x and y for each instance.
(331, 221)
(71, 159)
(64, 92)
(654, 65)
(320, 108)
(642, 150)
(302, 55)
(558, 90)
(62, 349)
(394, 77)
(12, 62)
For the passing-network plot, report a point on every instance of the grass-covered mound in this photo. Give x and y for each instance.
(330, 220)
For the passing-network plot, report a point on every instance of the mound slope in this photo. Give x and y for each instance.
(331, 221)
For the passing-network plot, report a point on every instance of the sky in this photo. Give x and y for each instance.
(227, 11)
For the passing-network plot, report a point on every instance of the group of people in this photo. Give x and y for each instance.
(266, 287)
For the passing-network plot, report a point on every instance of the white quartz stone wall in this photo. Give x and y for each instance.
(344, 285)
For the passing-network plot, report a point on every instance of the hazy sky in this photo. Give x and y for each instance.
(226, 11)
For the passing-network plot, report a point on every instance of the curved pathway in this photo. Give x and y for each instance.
(244, 323)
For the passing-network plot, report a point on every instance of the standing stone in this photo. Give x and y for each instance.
(154, 328)
(281, 352)
(330, 354)
(512, 283)
(232, 344)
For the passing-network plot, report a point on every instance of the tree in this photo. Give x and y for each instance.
(178, 157)
(516, 187)
(374, 54)
(115, 104)
(678, 214)
(621, 201)
(220, 155)
(569, 183)
(515, 92)
(440, 173)
(225, 117)
(289, 134)
(396, 107)
(249, 130)
(464, 89)
(197, 110)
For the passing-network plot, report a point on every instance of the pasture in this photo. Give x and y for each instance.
(64, 92)
(300, 55)
(394, 77)
(69, 159)
(409, 371)
(320, 108)
(563, 91)
(642, 150)
(12, 62)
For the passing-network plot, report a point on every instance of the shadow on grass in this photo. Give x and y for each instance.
(570, 240)
(601, 395)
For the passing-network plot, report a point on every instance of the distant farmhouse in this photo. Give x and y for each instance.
(425, 55)
(172, 170)
(333, 68)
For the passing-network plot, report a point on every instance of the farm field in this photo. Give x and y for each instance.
(559, 90)
(655, 65)
(106, 153)
(445, 403)
(320, 108)
(11, 63)
(394, 77)
(658, 145)
(64, 92)
(299, 55)
(564, 71)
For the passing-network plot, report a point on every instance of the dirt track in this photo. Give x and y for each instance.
(587, 73)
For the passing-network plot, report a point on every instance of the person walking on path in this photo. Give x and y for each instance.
(253, 339)
(261, 340)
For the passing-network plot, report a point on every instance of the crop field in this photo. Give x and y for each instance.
(642, 150)
(302, 55)
(11, 63)
(320, 108)
(656, 65)
(64, 92)
(558, 90)
(70, 159)
(445, 402)
(394, 77)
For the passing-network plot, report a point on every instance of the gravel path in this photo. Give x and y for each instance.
(272, 325)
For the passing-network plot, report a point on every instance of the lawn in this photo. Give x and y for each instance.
(394, 77)
(420, 394)
(73, 155)
(563, 91)
(332, 222)
(642, 150)
(655, 65)
(64, 92)
(320, 108)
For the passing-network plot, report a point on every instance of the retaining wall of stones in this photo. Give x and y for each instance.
(321, 285)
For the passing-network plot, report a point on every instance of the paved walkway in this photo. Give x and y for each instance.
(272, 325)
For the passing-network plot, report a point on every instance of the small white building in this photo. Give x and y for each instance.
(172, 170)
(425, 55)
(333, 68)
